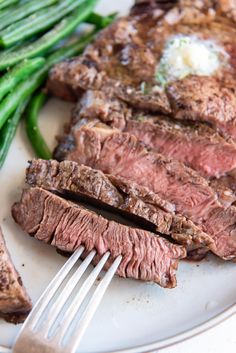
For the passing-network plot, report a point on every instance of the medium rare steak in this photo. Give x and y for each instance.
(196, 145)
(15, 303)
(137, 202)
(121, 154)
(67, 225)
(136, 58)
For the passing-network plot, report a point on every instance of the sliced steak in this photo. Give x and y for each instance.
(196, 145)
(66, 226)
(121, 154)
(133, 200)
(15, 303)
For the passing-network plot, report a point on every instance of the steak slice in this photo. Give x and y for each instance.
(82, 182)
(15, 303)
(67, 225)
(121, 154)
(196, 145)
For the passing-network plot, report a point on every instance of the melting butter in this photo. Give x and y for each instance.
(189, 55)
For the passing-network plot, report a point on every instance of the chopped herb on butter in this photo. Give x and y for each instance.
(140, 118)
(144, 88)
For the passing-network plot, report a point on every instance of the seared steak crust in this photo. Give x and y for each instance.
(123, 155)
(80, 181)
(204, 99)
(15, 303)
(188, 11)
(66, 226)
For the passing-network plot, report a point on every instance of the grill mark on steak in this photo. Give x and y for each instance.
(15, 303)
(79, 182)
(123, 155)
(145, 255)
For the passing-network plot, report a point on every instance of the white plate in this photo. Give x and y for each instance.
(132, 314)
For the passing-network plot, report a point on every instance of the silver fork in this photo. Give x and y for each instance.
(45, 330)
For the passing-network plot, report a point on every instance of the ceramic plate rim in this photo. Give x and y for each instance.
(175, 339)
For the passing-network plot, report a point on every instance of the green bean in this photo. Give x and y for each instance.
(17, 12)
(24, 89)
(37, 22)
(32, 129)
(101, 21)
(46, 42)
(6, 3)
(18, 73)
(8, 131)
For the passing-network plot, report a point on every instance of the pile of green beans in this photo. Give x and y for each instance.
(17, 12)
(26, 56)
(6, 3)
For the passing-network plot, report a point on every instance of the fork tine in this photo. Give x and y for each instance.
(91, 308)
(79, 298)
(45, 298)
(65, 294)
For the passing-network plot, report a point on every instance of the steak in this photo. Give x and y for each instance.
(15, 303)
(121, 154)
(201, 11)
(136, 202)
(205, 99)
(67, 225)
(124, 58)
(196, 145)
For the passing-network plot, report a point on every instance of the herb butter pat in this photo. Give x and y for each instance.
(189, 55)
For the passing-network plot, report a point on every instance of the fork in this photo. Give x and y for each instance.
(48, 329)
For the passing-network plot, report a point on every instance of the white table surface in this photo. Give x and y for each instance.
(221, 339)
